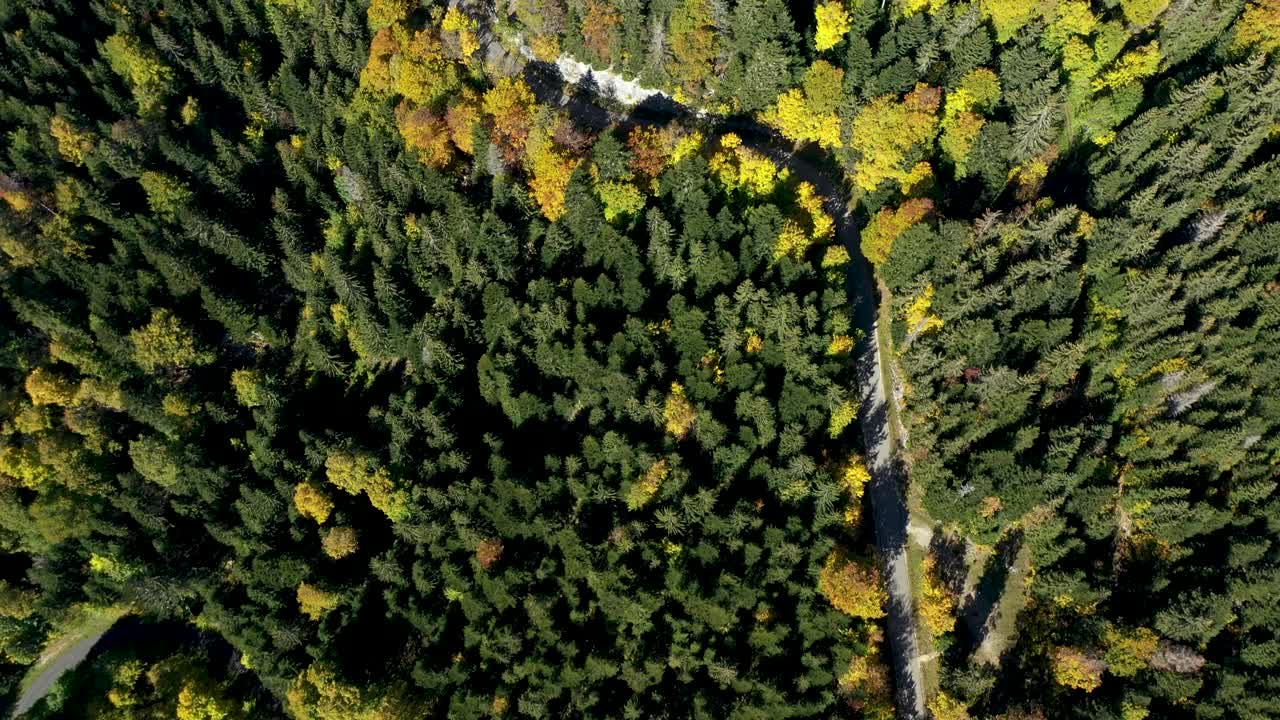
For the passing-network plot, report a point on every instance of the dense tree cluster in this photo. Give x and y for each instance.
(422, 396)
(1083, 308)
(158, 672)
(330, 328)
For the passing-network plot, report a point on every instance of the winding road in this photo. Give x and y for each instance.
(887, 489)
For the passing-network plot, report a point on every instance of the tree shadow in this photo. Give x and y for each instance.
(950, 562)
(976, 613)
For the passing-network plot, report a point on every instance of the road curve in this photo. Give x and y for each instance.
(44, 682)
(887, 489)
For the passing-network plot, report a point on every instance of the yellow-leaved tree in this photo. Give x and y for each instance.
(977, 93)
(920, 318)
(150, 79)
(312, 501)
(357, 473)
(852, 586)
(550, 168)
(888, 224)
(1075, 669)
(316, 603)
(937, 605)
(887, 129)
(740, 168)
(340, 542)
(462, 118)
(1259, 26)
(382, 13)
(1143, 12)
(945, 707)
(320, 693)
(854, 476)
(644, 489)
(1008, 16)
(832, 24)
(165, 342)
(1129, 651)
(679, 415)
(694, 46)
(49, 387)
(427, 133)
(510, 104)
(464, 28)
(74, 144)
(810, 113)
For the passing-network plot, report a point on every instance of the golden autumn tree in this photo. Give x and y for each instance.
(150, 80)
(601, 28)
(461, 118)
(679, 415)
(887, 129)
(427, 133)
(74, 144)
(945, 707)
(340, 542)
(620, 199)
(842, 416)
(977, 93)
(422, 73)
(316, 603)
(937, 605)
(852, 586)
(821, 225)
(1075, 669)
(320, 693)
(913, 7)
(854, 476)
(644, 489)
(249, 387)
(694, 46)
(312, 501)
(48, 387)
(464, 28)
(550, 169)
(165, 342)
(510, 104)
(166, 194)
(792, 241)
(1259, 26)
(382, 13)
(411, 64)
(1143, 12)
(1129, 651)
(1008, 16)
(889, 223)
(810, 113)
(920, 316)
(833, 24)
(738, 167)
(357, 473)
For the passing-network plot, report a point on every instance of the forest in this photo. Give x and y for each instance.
(872, 359)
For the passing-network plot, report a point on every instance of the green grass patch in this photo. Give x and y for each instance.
(1011, 603)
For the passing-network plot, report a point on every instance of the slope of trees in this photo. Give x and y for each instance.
(322, 332)
(424, 398)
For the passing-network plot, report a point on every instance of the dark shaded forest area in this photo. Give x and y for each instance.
(325, 334)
